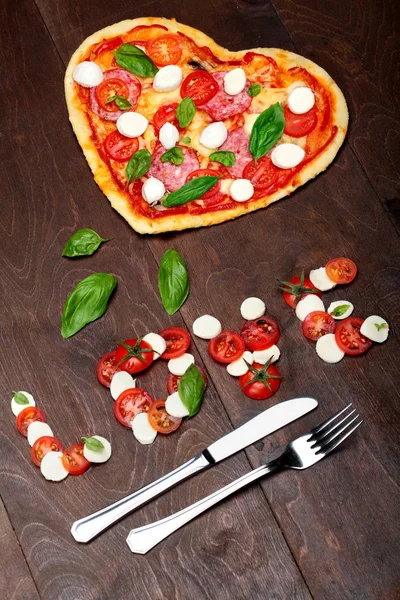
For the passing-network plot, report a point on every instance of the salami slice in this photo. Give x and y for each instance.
(134, 86)
(238, 142)
(173, 176)
(222, 105)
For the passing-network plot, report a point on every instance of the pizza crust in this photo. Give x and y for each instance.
(100, 171)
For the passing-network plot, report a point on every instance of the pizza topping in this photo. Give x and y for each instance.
(307, 305)
(36, 430)
(157, 342)
(241, 190)
(168, 78)
(234, 81)
(138, 165)
(249, 120)
(220, 105)
(341, 309)
(121, 382)
(206, 327)
(200, 86)
(192, 190)
(254, 90)
(375, 328)
(327, 349)
(270, 354)
(116, 82)
(52, 467)
(120, 148)
(173, 176)
(136, 61)
(237, 143)
(179, 366)
(225, 157)
(266, 131)
(169, 136)
(301, 100)
(320, 279)
(165, 49)
(240, 366)
(175, 406)
(300, 125)
(88, 74)
(214, 135)
(96, 449)
(132, 124)
(153, 190)
(185, 112)
(287, 156)
(173, 155)
(252, 308)
(21, 400)
(142, 429)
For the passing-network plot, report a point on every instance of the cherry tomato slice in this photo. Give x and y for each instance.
(108, 88)
(120, 148)
(204, 172)
(144, 33)
(130, 403)
(260, 68)
(258, 390)
(260, 334)
(300, 125)
(341, 270)
(137, 362)
(28, 416)
(290, 298)
(160, 420)
(178, 341)
(348, 336)
(318, 323)
(106, 368)
(74, 461)
(226, 347)
(166, 114)
(42, 446)
(265, 176)
(173, 381)
(200, 86)
(165, 49)
(108, 45)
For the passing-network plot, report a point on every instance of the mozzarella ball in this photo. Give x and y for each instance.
(142, 430)
(157, 342)
(36, 430)
(252, 308)
(238, 367)
(301, 100)
(88, 74)
(338, 303)
(121, 382)
(132, 124)
(241, 190)
(375, 328)
(287, 156)
(214, 135)
(308, 304)
(169, 135)
(175, 407)
(235, 81)
(52, 467)
(168, 78)
(263, 356)
(98, 456)
(327, 349)
(17, 408)
(153, 190)
(320, 279)
(206, 327)
(179, 366)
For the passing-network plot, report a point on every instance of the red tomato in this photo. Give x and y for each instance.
(108, 45)
(259, 67)
(28, 416)
(200, 86)
(133, 357)
(260, 334)
(299, 291)
(120, 148)
(144, 33)
(178, 341)
(106, 368)
(299, 125)
(341, 270)
(111, 87)
(207, 172)
(262, 385)
(165, 49)
(226, 347)
(173, 381)
(265, 176)
(318, 323)
(42, 446)
(166, 114)
(348, 336)
(160, 420)
(74, 461)
(130, 403)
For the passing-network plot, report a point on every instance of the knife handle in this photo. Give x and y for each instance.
(89, 527)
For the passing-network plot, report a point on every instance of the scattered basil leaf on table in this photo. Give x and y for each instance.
(173, 155)
(225, 157)
(340, 310)
(133, 59)
(380, 326)
(185, 112)
(191, 390)
(267, 129)
(186, 140)
(83, 242)
(20, 398)
(93, 443)
(192, 190)
(122, 102)
(173, 281)
(254, 89)
(138, 164)
(87, 302)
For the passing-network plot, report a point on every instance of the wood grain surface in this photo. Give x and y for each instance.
(330, 532)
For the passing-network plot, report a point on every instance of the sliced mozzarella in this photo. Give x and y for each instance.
(375, 328)
(287, 156)
(87, 74)
(301, 100)
(120, 382)
(36, 430)
(132, 124)
(206, 327)
(153, 190)
(239, 367)
(252, 308)
(320, 279)
(249, 120)
(168, 78)
(17, 408)
(175, 407)
(179, 366)
(52, 467)
(235, 82)
(263, 356)
(169, 135)
(142, 430)
(241, 190)
(328, 350)
(98, 456)
(157, 342)
(214, 135)
(338, 303)
(308, 304)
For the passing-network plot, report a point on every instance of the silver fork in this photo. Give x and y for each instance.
(298, 454)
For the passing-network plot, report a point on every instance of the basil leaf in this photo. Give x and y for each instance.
(138, 164)
(191, 190)
(20, 398)
(185, 112)
(267, 129)
(122, 102)
(93, 443)
(186, 140)
(133, 59)
(191, 390)
(380, 326)
(173, 281)
(340, 310)
(225, 157)
(174, 156)
(254, 89)
(87, 302)
(83, 242)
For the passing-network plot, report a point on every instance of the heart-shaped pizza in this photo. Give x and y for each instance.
(181, 133)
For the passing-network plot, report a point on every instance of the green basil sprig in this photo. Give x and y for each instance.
(380, 326)
(174, 156)
(191, 190)
(225, 157)
(87, 302)
(340, 310)
(173, 281)
(20, 398)
(138, 164)
(122, 102)
(93, 443)
(83, 242)
(185, 112)
(254, 89)
(267, 129)
(133, 59)
(191, 390)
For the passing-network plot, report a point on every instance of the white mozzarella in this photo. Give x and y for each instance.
(334, 305)
(169, 135)
(157, 342)
(36, 430)
(98, 456)
(179, 366)
(238, 367)
(87, 74)
(168, 78)
(249, 120)
(120, 382)
(175, 407)
(263, 356)
(328, 350)
(308, 304)
(206, 327)
(214, 135)
(301, 100)
(235, 81)
(375, 328)
(52, 468)
(153, 190)
(142, 430)
(132, 124)
(241, 190)
(252, 308)
(17, 408)
(320, 279)
(287, 156)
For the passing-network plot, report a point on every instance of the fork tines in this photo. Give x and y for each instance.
(328, 437)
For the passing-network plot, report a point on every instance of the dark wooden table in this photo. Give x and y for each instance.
(330, 532)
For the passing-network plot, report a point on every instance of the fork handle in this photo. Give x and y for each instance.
(142, 539)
